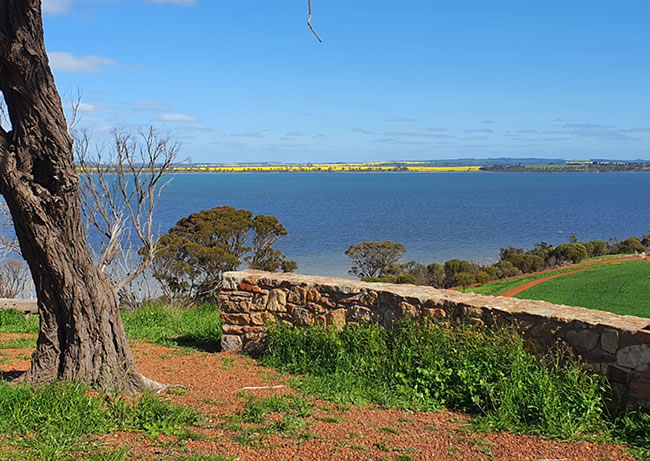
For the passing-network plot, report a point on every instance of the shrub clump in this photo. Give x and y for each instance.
(485, 372)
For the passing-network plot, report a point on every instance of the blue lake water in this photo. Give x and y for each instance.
(436, 216)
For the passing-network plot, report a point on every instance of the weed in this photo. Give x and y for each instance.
(330, 419)
(177, 390)
(389, 430)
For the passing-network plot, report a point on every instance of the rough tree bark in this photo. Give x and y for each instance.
(81, 335)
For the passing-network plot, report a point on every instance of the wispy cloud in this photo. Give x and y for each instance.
(400, 120)
(67, 62)
(436, 129)
(177, 118)
(56, 7)
(295, 134)
(153, 106)
(89, 108)
(360, 131)
(479, 130)
(248, 134)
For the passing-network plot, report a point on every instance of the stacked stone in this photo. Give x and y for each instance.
(615, 346)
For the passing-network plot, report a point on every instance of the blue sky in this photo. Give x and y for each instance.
(245, 81)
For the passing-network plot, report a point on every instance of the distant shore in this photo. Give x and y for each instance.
(412, 167)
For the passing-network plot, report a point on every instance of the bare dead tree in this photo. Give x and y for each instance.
(8, 241)
(13, 278)
(120, 188)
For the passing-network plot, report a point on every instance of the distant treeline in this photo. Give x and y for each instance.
(588, 167)
(512, 262)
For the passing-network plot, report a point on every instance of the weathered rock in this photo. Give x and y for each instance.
(437, 314)
(408, 310)
(313, 296)
(336, 319)
(327, 302)
(360, 313)
(585, 340)
(235, 319)
(277, 301)
(250, 288)
(297, 296)
(302, 317)
(633, 356)
(609, 340)
(231, 343)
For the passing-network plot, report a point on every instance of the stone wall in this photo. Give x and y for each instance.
(616, 346)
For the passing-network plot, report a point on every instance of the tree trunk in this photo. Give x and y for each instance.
(81, 334)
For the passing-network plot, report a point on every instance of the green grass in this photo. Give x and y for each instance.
(198, 328)
(259, 419)
(487, 373)
(12, 321)
(621, 288)
(61, 421)
(498, 287)
(18, 343)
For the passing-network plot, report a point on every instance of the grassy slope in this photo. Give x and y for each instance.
(621, 288)
(496, 288)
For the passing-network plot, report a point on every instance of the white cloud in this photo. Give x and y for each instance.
(88, 108)
(177, 118)
(175, 2)
(55, 7)
(67, 62)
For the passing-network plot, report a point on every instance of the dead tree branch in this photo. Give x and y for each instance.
(309, 22)
(120, 190)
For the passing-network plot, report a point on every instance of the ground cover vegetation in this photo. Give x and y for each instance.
(620, 287)
(487, 373)
(462, 273)
(67, 420)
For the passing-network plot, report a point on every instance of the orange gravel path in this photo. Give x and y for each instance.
(524, 286)
(574, 266)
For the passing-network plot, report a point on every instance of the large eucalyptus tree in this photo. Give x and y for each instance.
(81, 334)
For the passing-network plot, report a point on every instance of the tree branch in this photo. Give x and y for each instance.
(309, 22)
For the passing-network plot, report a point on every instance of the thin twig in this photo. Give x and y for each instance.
(255, 388)
(309, 23)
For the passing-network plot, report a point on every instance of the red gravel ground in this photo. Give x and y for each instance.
(336, 432)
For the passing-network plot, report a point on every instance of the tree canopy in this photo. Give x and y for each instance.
(371, 259)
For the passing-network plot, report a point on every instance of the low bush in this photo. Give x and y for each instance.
(488, 373)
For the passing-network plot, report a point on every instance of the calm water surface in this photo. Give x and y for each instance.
(437, 216)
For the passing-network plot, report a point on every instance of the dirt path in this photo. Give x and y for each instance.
(574, 266)
(524, 286)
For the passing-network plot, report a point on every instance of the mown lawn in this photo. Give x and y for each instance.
(621, 288)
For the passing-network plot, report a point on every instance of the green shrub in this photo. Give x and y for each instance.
(485, 372)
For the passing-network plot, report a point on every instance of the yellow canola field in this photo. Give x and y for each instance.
(372, 166)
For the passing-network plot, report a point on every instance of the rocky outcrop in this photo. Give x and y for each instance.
(613, 345)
